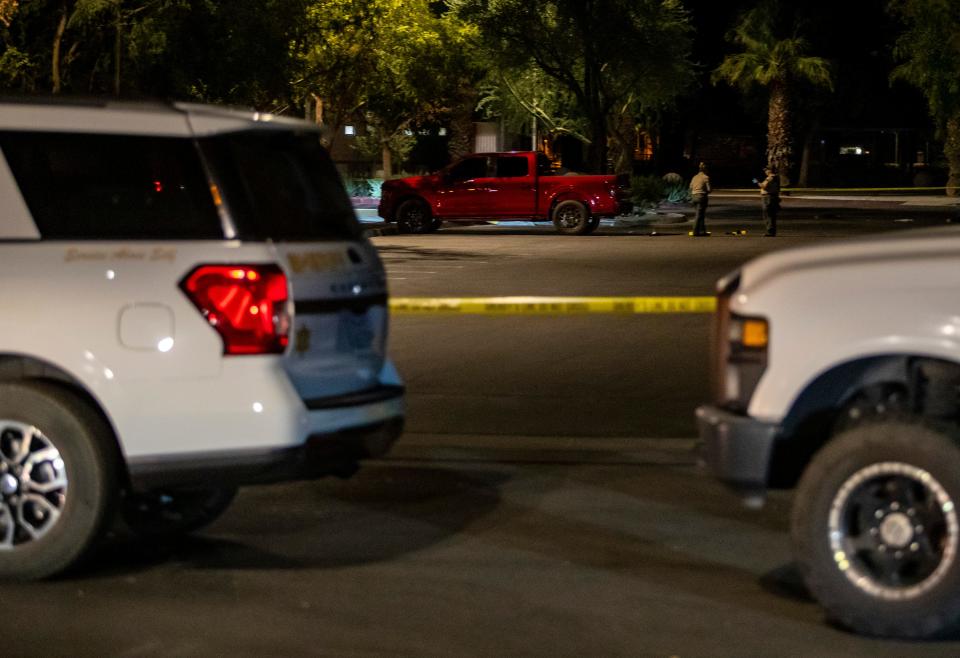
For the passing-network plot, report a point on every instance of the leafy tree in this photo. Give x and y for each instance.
(605, 53)
(517, 96)
(929, 55)
(774, 56)
(393, 63)
(235, 51)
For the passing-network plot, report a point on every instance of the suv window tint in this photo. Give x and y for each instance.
(120, 187)
(469, 169)
(281, 185)
(511, 167)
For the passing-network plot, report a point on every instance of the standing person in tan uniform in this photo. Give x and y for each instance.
(770, 199)
(700, 191)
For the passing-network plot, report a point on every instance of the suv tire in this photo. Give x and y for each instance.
(57, 489)
(875, 529)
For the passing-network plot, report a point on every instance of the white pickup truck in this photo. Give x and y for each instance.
(838, 372)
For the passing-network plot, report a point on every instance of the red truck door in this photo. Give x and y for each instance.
(463, 188)
(512, 192)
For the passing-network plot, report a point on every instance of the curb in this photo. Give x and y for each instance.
(381, 230)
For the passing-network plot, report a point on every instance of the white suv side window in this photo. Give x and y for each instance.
(87, 186)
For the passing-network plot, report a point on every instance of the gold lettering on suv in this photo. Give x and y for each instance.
(301, 340)
(316, 261)
(73, 254)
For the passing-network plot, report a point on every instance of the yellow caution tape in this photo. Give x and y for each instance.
(551, 305)
(841, 189)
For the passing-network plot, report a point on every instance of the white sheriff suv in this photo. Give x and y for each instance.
(838, 371)
(187, 304)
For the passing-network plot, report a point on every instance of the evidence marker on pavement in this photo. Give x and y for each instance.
(551, 305)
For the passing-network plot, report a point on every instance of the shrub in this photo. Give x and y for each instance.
(675, 190)
(364, 187)
(647, 190)
(358, 187)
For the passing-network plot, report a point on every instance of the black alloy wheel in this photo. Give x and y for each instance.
(571, 218)
(413, 216)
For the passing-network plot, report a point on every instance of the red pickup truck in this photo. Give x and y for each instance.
(501, 186)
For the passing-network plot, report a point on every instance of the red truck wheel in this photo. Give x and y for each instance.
(571, 218)
(413, 216)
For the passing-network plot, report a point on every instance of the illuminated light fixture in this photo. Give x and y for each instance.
(853, 150)
(165, 344)
(349, 130)
(754, 333)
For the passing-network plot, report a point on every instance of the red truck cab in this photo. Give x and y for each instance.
(503, 186)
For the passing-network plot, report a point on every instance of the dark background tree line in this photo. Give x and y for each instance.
(594, 70)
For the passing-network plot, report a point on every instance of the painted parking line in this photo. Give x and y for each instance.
(551, 305)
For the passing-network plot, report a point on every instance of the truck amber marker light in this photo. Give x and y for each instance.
(754, 333)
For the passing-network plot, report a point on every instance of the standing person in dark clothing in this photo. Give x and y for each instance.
(700, 191)
(770, 199)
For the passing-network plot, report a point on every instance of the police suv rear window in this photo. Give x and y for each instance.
(112, 187)
(281, 185)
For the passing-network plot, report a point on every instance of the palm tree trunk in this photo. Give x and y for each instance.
(779, 150)
(387, 162)
(462, 128)
(951, 150)
(55, 55)
(117, 50)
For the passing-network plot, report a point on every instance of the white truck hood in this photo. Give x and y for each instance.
(900, 246)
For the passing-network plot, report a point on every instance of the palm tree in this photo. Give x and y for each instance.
(776, 63)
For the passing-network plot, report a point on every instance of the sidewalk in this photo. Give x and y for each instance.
(902, 199)
(375, 226)
(673, 214)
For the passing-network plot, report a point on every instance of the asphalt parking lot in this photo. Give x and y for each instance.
(545, 499)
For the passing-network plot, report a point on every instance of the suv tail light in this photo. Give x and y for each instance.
(246, 304)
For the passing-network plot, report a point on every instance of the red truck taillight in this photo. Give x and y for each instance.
(246, 304)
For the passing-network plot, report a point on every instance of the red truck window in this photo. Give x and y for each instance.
(512, 167)
(470, 168)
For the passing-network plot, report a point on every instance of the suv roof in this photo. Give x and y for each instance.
(150, 171)
(136, 118)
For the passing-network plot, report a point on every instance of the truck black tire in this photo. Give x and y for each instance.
(413, 216)
(571, 218)
(875, 529)
(177, 511)
(58, 478)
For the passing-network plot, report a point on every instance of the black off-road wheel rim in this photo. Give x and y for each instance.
(893, 531)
